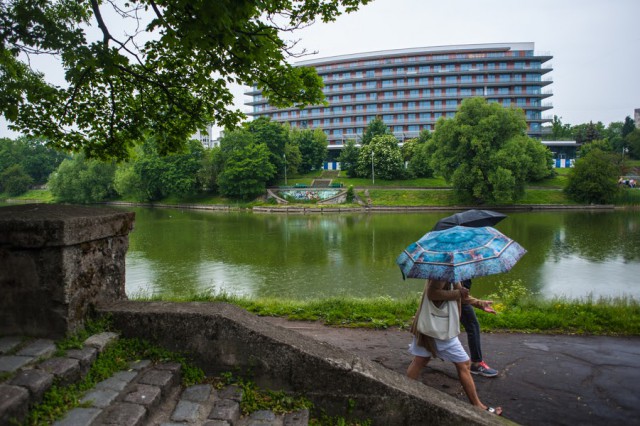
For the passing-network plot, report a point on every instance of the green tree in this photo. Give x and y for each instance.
(14, 180)
(633, 142)
(246, 166)
(210, 167)
(386, 159)
(313, 147)
(349, 158)
(613, 133)
(602, 145)
(418, 152)
(35, 158)
(275, 136)
(483, 151)
(150, 176)
(293, 158)
(83, 180)
(586, 133)
(628, 126)
(376, 127)
(593, 179)
(559, 130)
(159, 67)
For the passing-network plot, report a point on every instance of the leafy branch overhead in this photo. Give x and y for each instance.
(160, 66)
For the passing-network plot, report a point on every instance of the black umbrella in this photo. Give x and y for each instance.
(471, 218)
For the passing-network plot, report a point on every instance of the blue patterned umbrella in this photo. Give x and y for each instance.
(460, 253)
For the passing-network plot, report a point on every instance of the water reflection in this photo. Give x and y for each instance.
(176, 252)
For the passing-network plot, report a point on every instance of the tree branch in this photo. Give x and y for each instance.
(106, 36)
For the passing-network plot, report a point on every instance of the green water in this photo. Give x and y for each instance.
(178, 252)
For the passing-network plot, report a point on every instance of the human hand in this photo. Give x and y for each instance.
(464, 292)
(486, 306)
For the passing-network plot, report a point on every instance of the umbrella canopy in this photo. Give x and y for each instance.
(474, 218)
(460, 253)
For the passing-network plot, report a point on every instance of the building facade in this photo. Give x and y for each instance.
(206, 137)
(410, 89)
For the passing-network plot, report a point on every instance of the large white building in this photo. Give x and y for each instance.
(410, 89)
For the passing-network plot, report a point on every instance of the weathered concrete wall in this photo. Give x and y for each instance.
(220, 337)
(56, 263)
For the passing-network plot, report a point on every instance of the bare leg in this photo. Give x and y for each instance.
(416, 366)
(464, 374)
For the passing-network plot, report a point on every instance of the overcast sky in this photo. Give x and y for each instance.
(595, 44)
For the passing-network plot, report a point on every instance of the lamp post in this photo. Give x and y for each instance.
(373, 176)
(285, 169)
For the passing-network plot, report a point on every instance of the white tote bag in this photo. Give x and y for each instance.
(439, 322)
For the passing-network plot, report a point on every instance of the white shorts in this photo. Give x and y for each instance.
(448, 350)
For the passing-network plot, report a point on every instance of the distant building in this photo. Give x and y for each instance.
(206, 137)
(564, 152)
(636, 117)
(410, 89)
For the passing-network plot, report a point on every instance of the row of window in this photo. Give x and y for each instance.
(411, 105)
(435, 81)
(425, 58)
(415, 93)
(395, 118)
(426, 93)
(430, 69)
(398, 131)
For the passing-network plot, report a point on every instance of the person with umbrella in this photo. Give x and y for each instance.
(468, 318)
(443, 258)
(442, 339)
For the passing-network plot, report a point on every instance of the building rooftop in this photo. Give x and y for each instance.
(415, 50)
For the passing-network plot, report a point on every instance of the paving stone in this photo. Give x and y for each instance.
(231, 392)
(197, 393)
(79, 416)
(186, 411)
(123, 414)
(112, 383)
(86, 356)
(38, 348)
(36, 381)
(14, 403)
(12, 363)
(126, 376)
(170, 366)
(263, 418)
(217, 423)
(9, 343)
(100, 398)
(146, 395)
(101, 340)
(297, 418)
(118, 381)
(139, 365)
(225, 409)
(164, 379)
(67, 370)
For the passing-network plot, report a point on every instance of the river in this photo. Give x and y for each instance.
(176, 252)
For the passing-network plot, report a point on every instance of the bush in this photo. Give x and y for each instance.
(593, 179)
(14, 180)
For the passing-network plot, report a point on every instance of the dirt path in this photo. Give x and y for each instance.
(543, 380)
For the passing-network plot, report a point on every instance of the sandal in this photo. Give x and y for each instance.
(492, 410)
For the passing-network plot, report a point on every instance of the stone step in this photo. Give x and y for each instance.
(31, 371)
(145, 394)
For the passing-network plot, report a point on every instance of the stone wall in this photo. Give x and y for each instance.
(219, 337)
(56, 263)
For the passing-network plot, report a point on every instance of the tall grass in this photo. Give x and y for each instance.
(517, 311)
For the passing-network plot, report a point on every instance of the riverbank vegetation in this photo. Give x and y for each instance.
(517, 311)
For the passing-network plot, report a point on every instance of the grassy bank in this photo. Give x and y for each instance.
(516, 312)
